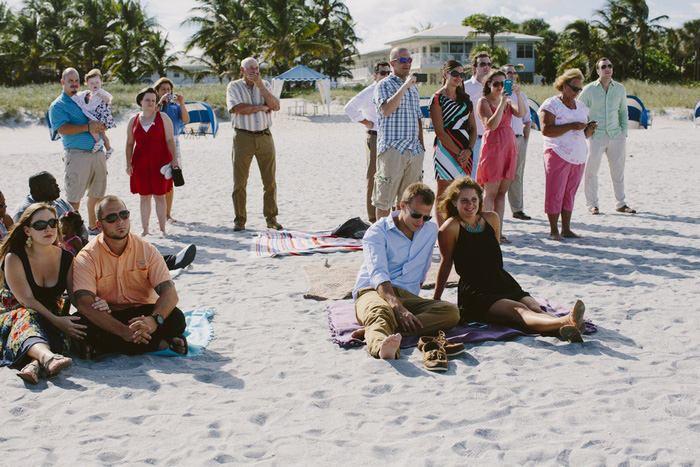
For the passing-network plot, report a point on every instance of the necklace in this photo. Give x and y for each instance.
(471, 229)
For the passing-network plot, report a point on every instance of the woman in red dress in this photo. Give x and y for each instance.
(149, 148)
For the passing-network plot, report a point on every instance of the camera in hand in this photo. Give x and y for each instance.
(421, 77)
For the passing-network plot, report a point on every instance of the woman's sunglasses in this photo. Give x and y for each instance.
(497, 84)
(456, 73)
(41, 225)
(574, 88)
(112, 218)
(418, 215)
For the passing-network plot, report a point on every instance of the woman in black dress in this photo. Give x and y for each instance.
(487, 293)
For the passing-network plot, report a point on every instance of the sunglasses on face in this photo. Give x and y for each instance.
(497, 84)
(574, 88)
(384, 72)
(3, 206)
(455, 74)
(603, 67)
(483, 64)
(41, 225)
(403, 60)
(112, 218)
(418, 215)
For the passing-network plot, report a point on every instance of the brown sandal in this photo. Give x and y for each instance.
(30, 372)
(576, 316)
(56, 364)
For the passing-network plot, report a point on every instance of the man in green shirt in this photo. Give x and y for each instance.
(607, 101)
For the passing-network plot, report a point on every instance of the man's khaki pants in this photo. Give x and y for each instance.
(515, 192)
(245, 146)
(615, 150)
(375, 314)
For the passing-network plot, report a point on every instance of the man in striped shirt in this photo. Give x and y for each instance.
(400, 145)
(250, 102)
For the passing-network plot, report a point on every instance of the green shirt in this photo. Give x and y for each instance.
(609, 109)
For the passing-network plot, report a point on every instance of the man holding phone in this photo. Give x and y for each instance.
(607, 101)
(521, 128)
(481, 67)
(400, 147)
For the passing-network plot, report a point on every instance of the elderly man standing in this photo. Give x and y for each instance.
(481, 67)
(607, 101)
(521, 128)
(132, 277)
(85, 170)
(361, 109)
(250, 102)
(400, 147)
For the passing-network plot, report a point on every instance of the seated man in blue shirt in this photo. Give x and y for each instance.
(398, 251)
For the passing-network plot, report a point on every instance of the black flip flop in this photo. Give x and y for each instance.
(172, 345)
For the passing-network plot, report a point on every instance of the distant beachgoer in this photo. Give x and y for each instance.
(6, 221)
(607, 101)
(250, 102)
(474, 86)
(452, 113)
(400, 147)
(565, 127)
(71, 224)
(361, 109)
(499, 150)
(95, 105)
(84, 170)
(174, 106)
(150, 148)
(469, 238)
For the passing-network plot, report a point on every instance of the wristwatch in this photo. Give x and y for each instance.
(159, 319)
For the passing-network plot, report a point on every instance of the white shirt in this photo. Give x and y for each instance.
(238, 92)
(474, 88)
(518, 123)
(361, 107)
(571, 146)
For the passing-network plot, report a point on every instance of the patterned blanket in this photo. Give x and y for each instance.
(273, 244)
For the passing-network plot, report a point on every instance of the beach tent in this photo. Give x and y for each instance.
(696, 114)
(638, 115)
(301, 73)
(534, 116)
(54, 134)
(425, 112)
(202, 120)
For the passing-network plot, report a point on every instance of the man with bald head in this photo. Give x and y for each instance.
(400, 145)
(85, 170)
(250, 102)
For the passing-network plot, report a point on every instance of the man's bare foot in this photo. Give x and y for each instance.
(390, 346)
(358, 334)
(569, 234)
(556, 236)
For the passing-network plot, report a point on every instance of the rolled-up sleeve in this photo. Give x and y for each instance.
(84, 273)
(232, 96)
(381, 94)
(374, 250)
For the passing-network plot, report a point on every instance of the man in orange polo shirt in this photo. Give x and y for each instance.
(132, 277)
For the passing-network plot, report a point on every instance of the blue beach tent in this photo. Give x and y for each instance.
(696, 114)
(534, 116)
(203, 121)
(638, 115)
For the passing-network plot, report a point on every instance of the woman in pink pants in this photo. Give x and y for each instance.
(565, 127)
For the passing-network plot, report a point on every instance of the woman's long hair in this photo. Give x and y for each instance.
(17, 238)
(489, 78)
(450, 195)
(462, 96)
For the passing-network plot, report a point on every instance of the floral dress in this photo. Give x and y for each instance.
(20, 327)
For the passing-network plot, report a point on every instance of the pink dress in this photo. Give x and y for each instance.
(499, 151)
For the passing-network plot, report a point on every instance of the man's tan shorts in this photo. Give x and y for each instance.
(395, 172)
(85, 171)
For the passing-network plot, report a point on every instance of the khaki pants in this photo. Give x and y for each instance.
(375, 314)
(371, 169)
(395, 172)
(615, 150)
(515, 192)
(245, 146)
(85, 171)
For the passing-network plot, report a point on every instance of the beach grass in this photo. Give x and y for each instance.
(33, 101)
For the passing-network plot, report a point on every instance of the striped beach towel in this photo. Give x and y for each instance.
(273, 244)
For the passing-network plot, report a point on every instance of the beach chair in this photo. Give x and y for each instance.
(696, 114)
(53, 134)
(425, 112)
(202, 121)
(203, 129)
(638, 115)
(534, 116)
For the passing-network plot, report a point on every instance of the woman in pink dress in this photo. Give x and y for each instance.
(149, 148)
(499, 149)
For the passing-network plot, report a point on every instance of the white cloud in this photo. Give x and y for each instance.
(558, 23)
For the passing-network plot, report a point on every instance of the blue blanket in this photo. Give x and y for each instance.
(199, 333)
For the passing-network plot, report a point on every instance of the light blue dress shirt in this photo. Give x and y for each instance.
(391, 256)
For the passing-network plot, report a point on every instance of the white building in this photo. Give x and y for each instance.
(431, 48)
(191, 67)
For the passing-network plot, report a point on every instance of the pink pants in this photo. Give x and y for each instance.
(562, 181)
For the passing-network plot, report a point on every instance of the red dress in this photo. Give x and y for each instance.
(499, 151)
(150, 154)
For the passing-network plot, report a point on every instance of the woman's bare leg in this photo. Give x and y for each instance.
(145, 213)
(566, 225)
(500, 199)
(519, 315)
(554, 226)
(160, 211)
(490, 193)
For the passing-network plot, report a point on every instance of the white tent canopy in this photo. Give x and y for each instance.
(301, 73)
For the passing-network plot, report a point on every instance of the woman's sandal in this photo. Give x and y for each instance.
(576, 316)
(30, 372)
(56, 364)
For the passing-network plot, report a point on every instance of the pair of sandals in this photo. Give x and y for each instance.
(51, 367)
(437, 349)
(573, 332)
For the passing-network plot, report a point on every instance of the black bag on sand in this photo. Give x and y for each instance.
(178, 179)
(353, 228)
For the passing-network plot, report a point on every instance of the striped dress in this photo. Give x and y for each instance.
(455, 119)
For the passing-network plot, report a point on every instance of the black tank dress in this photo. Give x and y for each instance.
(482, 279)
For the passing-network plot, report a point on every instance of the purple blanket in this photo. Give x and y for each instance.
(342, 323)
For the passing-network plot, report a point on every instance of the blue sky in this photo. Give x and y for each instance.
(378, 21)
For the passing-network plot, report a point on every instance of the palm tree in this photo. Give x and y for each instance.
(92, 32)
(127, 59)
(491, 25)
(690, 35)
(580, 43)
(336, 29)
(158, 57)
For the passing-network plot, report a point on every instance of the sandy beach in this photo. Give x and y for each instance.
(273, 389)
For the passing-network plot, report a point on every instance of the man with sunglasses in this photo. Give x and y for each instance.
(607, 101)
(400, 145)
(132, 277)
(361, 109)
(398, 251)
(481, 67)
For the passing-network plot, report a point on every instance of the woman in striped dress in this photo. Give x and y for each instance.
(452, 114)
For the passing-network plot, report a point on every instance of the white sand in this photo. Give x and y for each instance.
(272, 388)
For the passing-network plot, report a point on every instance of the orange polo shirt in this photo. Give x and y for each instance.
(124, 281)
